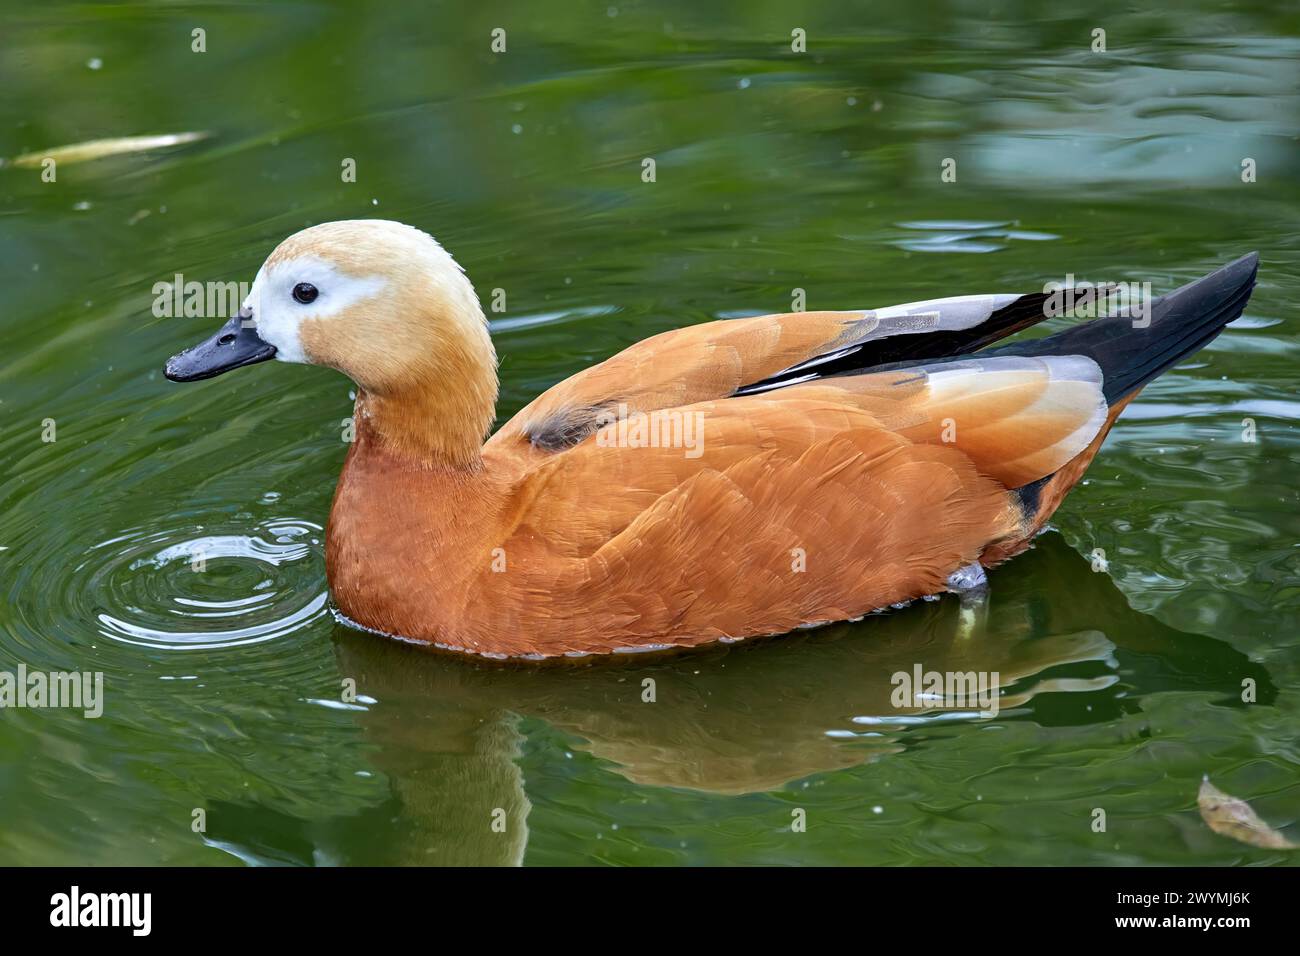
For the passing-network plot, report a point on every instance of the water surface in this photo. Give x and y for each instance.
(774, 171)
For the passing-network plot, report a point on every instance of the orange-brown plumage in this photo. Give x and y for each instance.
(816, 468)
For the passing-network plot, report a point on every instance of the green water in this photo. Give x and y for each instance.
(774, 171)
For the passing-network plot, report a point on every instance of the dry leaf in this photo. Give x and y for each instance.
(1231, 817)
(99, 148)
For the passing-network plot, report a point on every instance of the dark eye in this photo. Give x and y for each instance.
(305, 293)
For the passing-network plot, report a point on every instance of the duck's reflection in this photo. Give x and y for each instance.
(753, 717)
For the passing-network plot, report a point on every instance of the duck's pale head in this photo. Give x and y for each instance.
(386, 305)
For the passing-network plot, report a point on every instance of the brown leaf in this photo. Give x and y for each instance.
(1231, 817)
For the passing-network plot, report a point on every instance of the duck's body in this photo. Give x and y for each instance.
(724, 481)
(805, 505)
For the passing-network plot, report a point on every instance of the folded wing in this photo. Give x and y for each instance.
(738, 357)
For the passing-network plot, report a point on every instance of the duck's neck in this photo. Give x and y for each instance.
(427, 430)
(440, 419)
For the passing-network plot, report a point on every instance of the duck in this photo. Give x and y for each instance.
(734, 479)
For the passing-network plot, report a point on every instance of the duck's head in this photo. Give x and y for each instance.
(387, 306)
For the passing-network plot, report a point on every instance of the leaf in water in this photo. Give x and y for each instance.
(99, 148)
(1231, 817)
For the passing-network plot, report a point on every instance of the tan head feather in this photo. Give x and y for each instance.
(395, 313)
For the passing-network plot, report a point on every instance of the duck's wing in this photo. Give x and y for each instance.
(1012, 419)
(882, 483)
(742, 356)
(1016, 418)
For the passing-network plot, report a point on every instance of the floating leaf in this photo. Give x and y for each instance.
(1231, 817)
(99, 148)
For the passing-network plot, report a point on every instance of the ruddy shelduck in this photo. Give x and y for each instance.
(732, 479)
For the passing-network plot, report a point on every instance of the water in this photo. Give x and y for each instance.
(774, 171)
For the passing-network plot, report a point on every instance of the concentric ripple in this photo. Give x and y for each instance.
(186, 588)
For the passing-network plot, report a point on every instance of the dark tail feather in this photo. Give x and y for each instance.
(1182, 322)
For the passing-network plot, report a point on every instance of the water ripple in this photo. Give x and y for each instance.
(181, 588)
